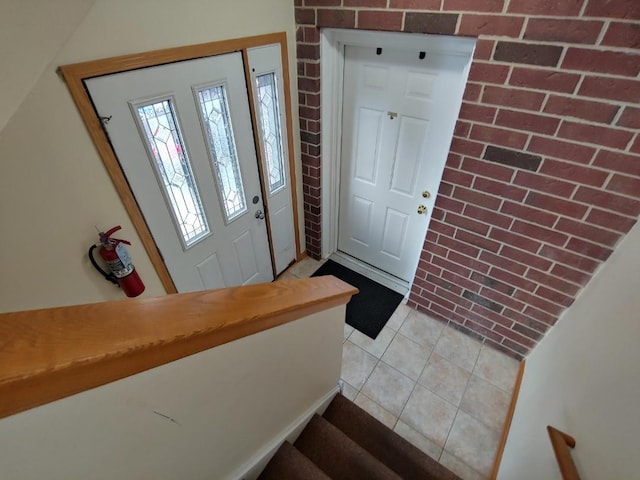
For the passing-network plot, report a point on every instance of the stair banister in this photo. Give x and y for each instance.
(562, 444)
(49, 354)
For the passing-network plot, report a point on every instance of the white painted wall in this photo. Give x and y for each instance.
(584, 378)
(31, 34)
(230, 406)
(53, 185)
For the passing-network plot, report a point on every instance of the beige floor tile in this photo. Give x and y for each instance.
(418, 440)
(305, 267)
(460, 468)
(388, 388)
(444, 378)
(375, 410)
(349, 391)
(485, 402)
(287, 276)
(473, 443)
(429, 414)
(458, 348)
(406, 356)
(348, 330)
(421, 329)
(357, 365)
(374, 347)
(497, 368)
(398, 317)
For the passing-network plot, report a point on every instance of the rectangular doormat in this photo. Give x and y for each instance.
(369, 310)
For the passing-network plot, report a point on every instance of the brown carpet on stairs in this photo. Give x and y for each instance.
(337, 455)
(347, 443)
(290, 464)
(384, 444)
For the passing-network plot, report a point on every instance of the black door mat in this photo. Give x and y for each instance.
(369, 310)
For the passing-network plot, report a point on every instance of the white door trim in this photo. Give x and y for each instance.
(332, 43)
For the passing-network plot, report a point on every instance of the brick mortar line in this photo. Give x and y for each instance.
(524, 27)
(634, 140)
(603, 31)
(485, 317)
(622, 103)
(550, 115)
(563, 54)
(556, 69)
(513, 218)
(543, 243)
(606, 20)
(544, 16)
(494, 323)
(594, 167)
(575, 94)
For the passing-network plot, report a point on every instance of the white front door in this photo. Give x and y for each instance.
(268, 93)
(182, 133)
(399, 112)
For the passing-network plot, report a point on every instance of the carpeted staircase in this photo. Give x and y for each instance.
(348, 443)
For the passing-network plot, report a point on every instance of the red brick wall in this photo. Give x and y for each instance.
(543, 175)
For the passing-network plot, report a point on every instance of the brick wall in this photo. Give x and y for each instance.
(543, 175)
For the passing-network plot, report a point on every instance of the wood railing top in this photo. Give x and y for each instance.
(562, 444)
(52, 353)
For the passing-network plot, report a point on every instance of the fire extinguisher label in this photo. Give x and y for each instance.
(123, 255)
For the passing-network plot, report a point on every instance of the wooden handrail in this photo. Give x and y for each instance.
(562, 443)
(52, 353)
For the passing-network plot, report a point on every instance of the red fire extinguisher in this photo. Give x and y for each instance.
(121, 270)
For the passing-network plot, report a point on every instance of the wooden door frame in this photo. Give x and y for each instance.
(332, 43)
(75, 74)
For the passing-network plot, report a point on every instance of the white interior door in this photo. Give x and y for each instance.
(268, 92)
(399, 112)
(182, 133)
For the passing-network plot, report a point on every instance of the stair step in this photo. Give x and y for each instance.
(388, 447)
(339, 456)
(289, 463)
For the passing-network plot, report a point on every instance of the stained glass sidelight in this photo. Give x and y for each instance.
(215, 115)
(271, 132)
(164, 141)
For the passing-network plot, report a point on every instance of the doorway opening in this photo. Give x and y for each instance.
(265, 73)
(390, 102)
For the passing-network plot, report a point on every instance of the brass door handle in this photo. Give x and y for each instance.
(422, 210)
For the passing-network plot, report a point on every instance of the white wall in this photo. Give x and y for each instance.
(584, 378)
(53, 185)
(228, 405)
(31, 33)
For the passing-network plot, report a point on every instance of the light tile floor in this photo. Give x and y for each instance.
(441, 390)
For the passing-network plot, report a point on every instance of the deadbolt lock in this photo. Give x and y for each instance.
(422, 210)
(426, 194)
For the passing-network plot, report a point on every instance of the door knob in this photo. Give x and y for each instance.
(260, 215)
(422, 210)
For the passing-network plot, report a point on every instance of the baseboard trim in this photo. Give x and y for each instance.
(507, 423)
(254, 466)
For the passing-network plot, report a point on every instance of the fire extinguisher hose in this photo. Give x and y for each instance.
(108, 276)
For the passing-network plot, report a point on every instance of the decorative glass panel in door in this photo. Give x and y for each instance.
(214, 113)
(164, 143)
(189, 107)
(271, 132)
